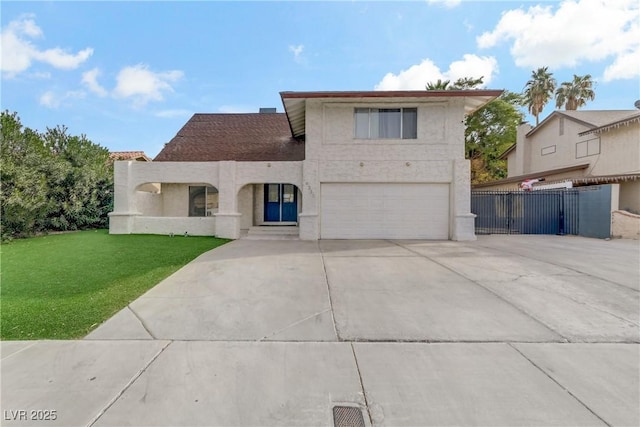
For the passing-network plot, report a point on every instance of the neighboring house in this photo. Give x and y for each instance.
(581, 147)
(335, 165)
(129, 155)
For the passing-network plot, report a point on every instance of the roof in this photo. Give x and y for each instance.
(129, 155)
(633, 118)
(242, 137)
(506, 152)
(588, 118)
(542, 174)
(295, 102)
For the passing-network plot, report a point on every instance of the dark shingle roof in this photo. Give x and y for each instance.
(242, 137)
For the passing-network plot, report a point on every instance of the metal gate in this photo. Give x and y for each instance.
(526, 212)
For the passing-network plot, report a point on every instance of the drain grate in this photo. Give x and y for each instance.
(347, 416)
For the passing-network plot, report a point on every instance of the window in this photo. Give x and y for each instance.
(203, 201)
(587, 148)
(386, 123)
(548, 150)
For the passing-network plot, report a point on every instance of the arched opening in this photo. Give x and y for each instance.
(269, 204)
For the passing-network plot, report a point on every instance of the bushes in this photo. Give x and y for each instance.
(51, 181)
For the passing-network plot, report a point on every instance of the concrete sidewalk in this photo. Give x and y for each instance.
(507, 330)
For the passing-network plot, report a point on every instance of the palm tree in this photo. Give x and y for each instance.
(439, 85)
(467, 83)
(539, 90)
(575, 94)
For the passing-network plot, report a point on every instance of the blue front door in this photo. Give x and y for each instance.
(280, 203)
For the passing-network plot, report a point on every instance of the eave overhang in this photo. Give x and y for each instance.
(295, 102)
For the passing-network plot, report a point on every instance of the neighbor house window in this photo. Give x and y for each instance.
(588, 148)
(386, 123)
(203, 201)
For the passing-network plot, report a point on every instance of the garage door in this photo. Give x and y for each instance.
(384, 211)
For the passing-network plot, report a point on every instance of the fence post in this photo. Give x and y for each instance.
(561, 216)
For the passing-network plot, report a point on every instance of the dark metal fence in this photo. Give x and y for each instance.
(526, 212)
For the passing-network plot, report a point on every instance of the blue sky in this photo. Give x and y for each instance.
(130, 74)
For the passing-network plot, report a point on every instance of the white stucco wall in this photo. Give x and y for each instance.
(333, 155)
(245, 206)
(149, 204)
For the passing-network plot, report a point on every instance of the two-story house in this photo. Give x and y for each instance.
(334, 165)
(580, 148)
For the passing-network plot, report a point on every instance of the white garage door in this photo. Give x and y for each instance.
(384, 211)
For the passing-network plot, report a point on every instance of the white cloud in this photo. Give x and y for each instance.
(48, 99)
(417, 76)
(90, 80)
(446, 3)
(574, 32)
(58, 58)
(297, 52)
(142, 85)
(18, 51)
(52, 100)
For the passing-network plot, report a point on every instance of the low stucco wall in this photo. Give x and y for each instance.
(625, 225)
(195, 226)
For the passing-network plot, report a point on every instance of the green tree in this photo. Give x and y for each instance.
(24, 171)
(51, 181)
(538, 91)
(575, 94)
(79, 195)
(490, 131)
(438, 85)
(466, 83)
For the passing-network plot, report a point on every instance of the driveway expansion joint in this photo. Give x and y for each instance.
(561, 266)
(128, 384)
(521, 310)
(146, 328)
(364, 393)
(559, 384)
(326, 280)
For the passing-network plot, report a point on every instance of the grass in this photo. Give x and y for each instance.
(62, 286)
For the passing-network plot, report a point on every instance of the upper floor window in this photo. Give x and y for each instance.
(386, 123)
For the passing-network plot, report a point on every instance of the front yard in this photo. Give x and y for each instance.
(62, 286)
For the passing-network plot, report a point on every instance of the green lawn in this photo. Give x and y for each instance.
(62, 286)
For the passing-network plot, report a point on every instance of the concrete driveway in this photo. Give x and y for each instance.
(507, 330)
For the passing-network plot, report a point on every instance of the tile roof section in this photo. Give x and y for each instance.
(241, 137)
(129, 155)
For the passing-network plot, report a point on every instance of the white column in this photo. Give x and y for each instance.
(121, 220)
(308, 218)
(228, 217)
(463, 221)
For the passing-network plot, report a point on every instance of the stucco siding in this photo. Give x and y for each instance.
(550, 150)
(193, 226)
(620, 151)
(175, 200)
(149, 204)
(245, 206)
(630, 196)
(385, 171)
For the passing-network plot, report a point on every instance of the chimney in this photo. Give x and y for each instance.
(267, 110)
